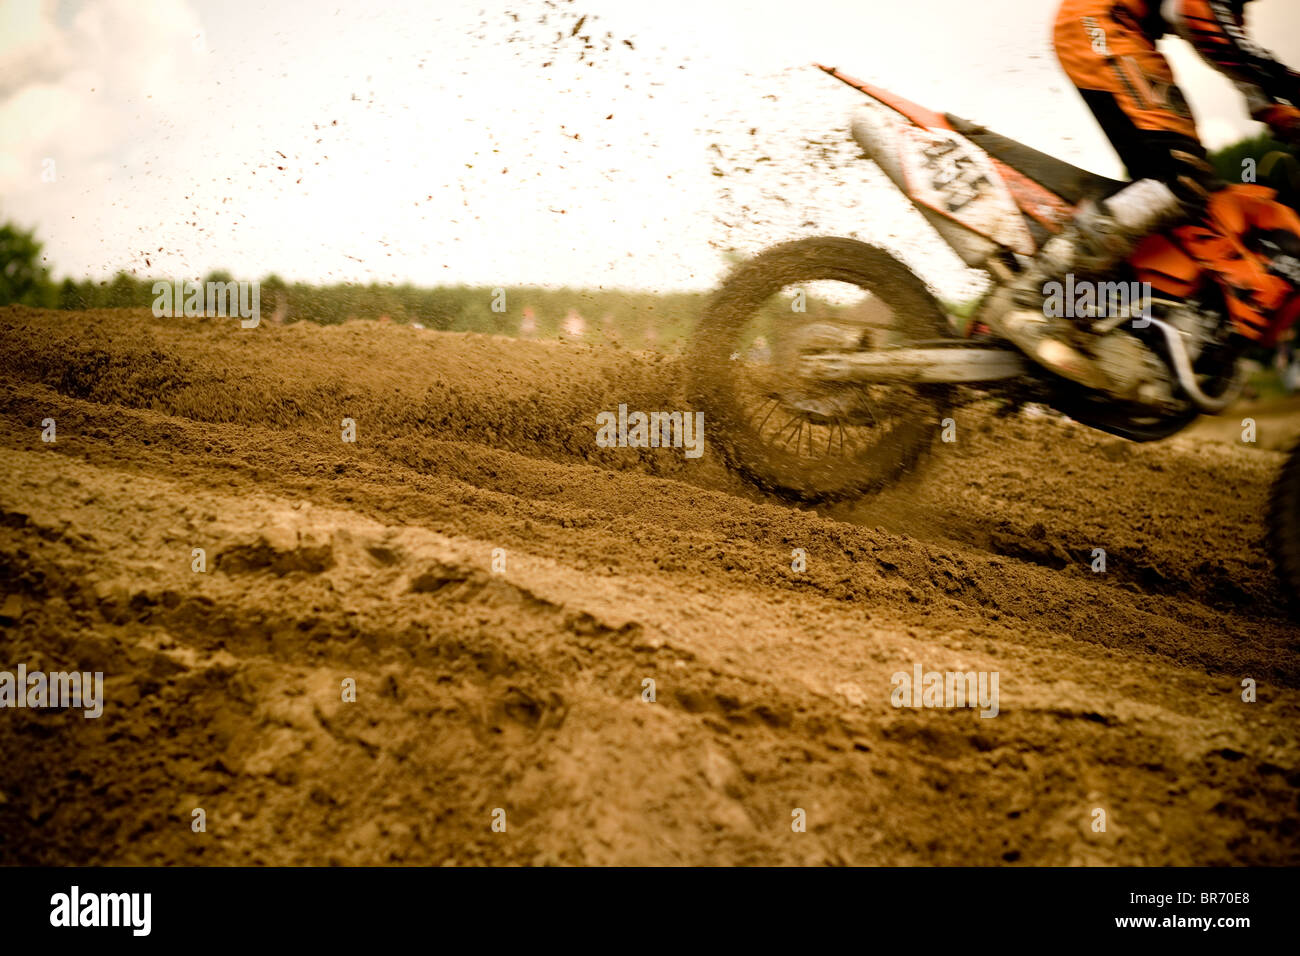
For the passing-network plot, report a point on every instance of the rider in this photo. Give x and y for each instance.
(1108, 49)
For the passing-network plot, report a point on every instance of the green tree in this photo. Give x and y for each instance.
(70, 296)
(1230, 162)
(23, 279)
(122, 292)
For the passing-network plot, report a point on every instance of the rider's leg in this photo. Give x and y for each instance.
(1129, 87)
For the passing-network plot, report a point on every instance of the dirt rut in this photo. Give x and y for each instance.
(506, 595)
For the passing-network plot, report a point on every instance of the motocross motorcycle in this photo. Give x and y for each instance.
(839, 388)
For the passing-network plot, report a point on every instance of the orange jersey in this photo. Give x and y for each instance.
(1109, 46)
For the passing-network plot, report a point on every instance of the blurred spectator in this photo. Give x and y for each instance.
(575, 326)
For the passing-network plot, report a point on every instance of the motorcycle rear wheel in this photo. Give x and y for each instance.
(859, 438)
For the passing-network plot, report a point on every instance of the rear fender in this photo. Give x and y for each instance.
(959, 188)
(952, 181)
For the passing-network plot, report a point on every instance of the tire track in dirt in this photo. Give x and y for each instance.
(619, 520)
(522, 689)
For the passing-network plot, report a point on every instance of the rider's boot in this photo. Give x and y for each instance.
(1101, 235)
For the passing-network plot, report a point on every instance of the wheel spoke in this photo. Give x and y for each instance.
(776, 403)
(791, 423)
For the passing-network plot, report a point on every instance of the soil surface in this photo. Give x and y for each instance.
(506, 595)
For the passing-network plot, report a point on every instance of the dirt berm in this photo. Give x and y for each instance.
(505, 594)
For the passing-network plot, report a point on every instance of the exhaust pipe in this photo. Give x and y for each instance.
(1187, 378)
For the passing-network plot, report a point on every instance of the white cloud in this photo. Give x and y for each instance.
(86, 82)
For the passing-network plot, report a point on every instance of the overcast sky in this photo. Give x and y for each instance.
(439, 141)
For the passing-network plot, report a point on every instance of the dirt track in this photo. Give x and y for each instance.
(522, 690)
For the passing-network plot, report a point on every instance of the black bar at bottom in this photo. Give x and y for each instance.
(328, 906)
